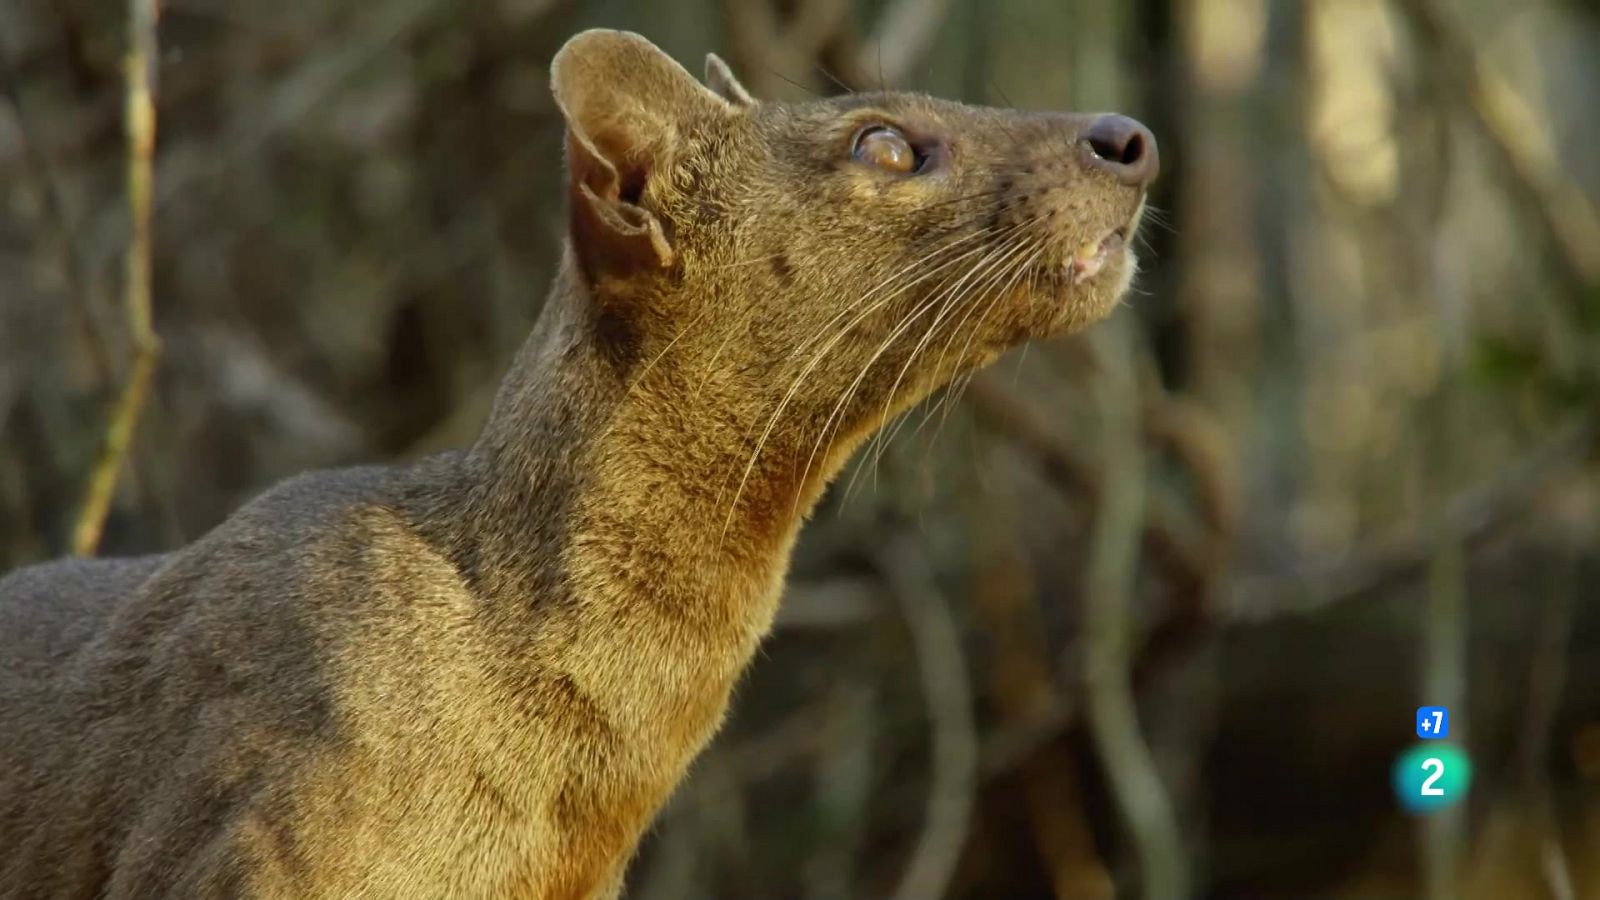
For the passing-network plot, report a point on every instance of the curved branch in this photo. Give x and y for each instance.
(947, 687)
(1108, 638)
(141, 125)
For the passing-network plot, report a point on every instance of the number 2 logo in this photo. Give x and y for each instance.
(1436, 766)
(1431, 776)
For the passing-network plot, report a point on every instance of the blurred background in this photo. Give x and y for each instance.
(1145, 612)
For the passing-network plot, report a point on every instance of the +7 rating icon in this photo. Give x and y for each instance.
(1433, 722)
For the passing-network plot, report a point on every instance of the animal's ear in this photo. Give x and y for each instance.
(720, 79)
(627, 107)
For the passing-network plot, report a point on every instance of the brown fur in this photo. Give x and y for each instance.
(482, 675)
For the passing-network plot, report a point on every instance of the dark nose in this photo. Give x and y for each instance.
(1123, 147)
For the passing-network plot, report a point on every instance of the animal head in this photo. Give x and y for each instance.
(828, 263)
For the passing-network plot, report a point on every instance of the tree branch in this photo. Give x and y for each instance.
(1108, 636)
(903, 34)
(141, 126)
(1555, 202)
(947, 687)
(1191, 557)
(1473, 517)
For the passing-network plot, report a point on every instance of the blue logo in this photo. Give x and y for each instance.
(1433, 722)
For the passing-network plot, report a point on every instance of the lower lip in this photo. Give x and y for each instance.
(1084, 266)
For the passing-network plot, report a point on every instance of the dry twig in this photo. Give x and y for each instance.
(1547, 678)
(1472, 518)
(1108, 636)
(903, 34)
(1166, 536)
(770, 50)
(54, 209)
(141, 126)
(1023, 687)
(946, 685)
(1553, 200)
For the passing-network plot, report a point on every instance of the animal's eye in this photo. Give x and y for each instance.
(884, 148)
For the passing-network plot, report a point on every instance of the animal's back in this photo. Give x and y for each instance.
(48, 614)
(49, 611)
(149, 706)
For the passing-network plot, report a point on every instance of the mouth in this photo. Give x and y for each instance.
(1092, 257)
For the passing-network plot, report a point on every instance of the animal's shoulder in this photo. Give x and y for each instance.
(265, 550)
(50, 609)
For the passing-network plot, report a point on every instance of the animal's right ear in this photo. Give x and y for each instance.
(720, 79)
(628, 107)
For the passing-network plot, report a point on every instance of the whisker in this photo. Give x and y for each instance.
(942, 231)
(997, 271)
(817, 358)
(1160, 218)
(953, 397)
(835, 79)
(948, 301)
(995, 266)
(795, 83)
(889, 280)
(847, 308)
(1010, 269)
(935, 296)
(967, 383)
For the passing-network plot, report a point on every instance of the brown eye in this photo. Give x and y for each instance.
(887, 149)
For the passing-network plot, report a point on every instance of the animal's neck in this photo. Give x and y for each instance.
(622, 484)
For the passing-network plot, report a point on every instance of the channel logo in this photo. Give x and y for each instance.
(1435, 774)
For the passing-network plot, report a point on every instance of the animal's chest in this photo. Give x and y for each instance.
(478, 773)
(365, 827)
(467, 799)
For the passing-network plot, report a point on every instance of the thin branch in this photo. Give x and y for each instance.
(54, 208)
(141, 126)
(767, 47)
(904, 32)
(1165, 537)
(813, 25)
(1472, 518)
(770, 50)
(1444, 682)
(1023, 686)
(946, 685)
(1426, 161)
(764, 755)
(1553, 200)
(1547, 679)
(1108, 635)
(843, 777)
